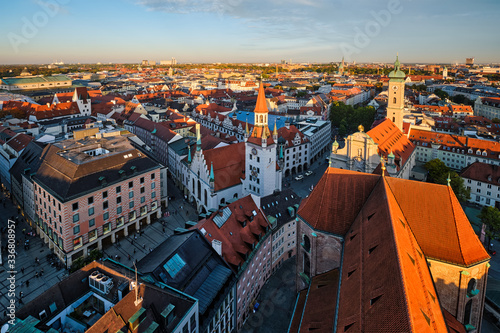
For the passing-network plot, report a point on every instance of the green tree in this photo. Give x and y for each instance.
(441, 94)
(490, 217)
(438, 173)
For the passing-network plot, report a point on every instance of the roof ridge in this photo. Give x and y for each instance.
(450, 190)
(389, 191)
(413, 240)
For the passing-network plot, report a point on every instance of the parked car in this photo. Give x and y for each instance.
(299, 177)
(308, 173)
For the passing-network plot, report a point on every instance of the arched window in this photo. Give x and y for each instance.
(306, 243)
(471, 287)
(394, 100)
(199, 190)
(307, 265)
(393, 119)
(206, 196)
(468, 310)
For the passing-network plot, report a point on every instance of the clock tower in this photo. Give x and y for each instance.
(262, 174)
(396, 95)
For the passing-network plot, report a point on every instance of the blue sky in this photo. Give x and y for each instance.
(89, 31)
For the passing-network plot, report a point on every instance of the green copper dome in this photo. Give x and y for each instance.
(397, 73)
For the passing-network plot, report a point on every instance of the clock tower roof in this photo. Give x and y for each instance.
(397, 73)
(261, 105)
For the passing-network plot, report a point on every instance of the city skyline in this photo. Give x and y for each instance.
(236, 31)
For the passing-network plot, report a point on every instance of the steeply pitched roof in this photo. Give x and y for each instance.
(226, 226)
(228, 163)
(433, 212)
(482, 172)
(390, 138)
(261, 105)
(331, 207)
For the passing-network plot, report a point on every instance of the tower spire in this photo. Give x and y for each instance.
(198, 137)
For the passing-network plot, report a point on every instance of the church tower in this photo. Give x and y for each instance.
(396, 95)
(262, 176)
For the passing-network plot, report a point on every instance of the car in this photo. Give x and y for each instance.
(299, 177)
(308, 173)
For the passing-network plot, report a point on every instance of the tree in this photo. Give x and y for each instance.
(438, 173)
(490, 217)
(441, 94)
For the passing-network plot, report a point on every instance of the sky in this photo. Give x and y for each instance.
(249, 31)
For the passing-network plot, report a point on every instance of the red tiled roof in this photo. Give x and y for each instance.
(328, 207)
(433, 212)
(261, 105)
(235, 246)
(228, 163)
(482, 172)
(389, 138)
(19, 142)
(317, 303)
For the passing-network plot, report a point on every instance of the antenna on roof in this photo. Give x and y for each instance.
(137, 299)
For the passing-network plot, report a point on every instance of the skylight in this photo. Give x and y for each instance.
(174, 265)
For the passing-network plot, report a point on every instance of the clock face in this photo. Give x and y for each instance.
(394, 88)
(254, 151)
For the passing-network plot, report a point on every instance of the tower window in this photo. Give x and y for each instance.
(394, 100)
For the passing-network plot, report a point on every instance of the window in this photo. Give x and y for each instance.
(131, 216)
(130, 184)
(76, 230)
(144, 210)
(143, 199)
(105, 205)
(118, 189)
(131, 194)
(131, 204)
(306, 244)
(92, 235)
(119, 210)
(152, 185)
(75, 206)
(105, 194)
(77, 242)
(153, 195)
(154, 205)
(143, 190)
(142, 180)
(106, 228)
(119, 200)
(91, 223)
(120, 221)
(90, 200)
(76, 217)
(91, 211)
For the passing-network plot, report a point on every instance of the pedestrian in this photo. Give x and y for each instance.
(163, 229)
(36, 274)
(134, 250)
(41, 272)
(22, 270)
(21, 294)
(144, 246)
(129, 257)
(27, 283)
(116, 256)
